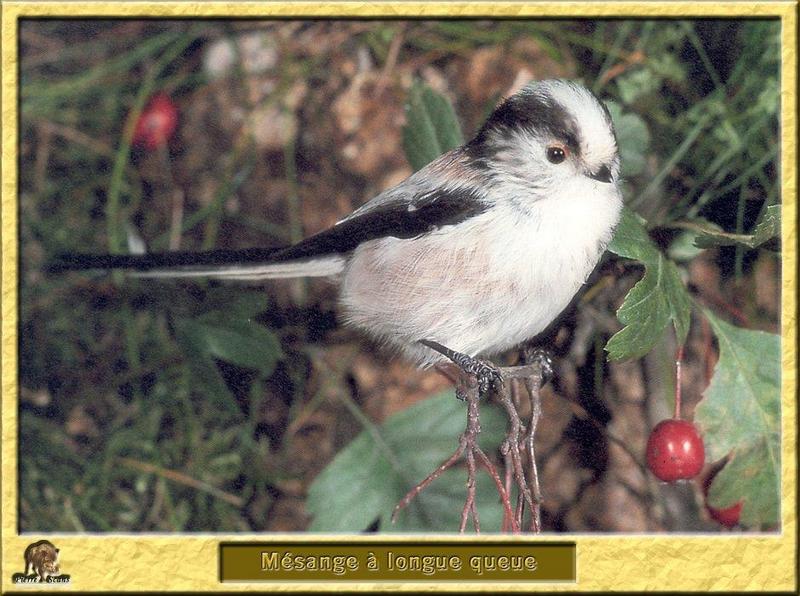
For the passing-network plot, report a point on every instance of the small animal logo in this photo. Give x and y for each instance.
(42, 557)
(41, 565)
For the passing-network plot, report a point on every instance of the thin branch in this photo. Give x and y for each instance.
(473, 377)
(534, 384)
(511, 444)
(469, 505)
(467, 388)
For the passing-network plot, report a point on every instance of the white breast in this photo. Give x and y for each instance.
(485, 285)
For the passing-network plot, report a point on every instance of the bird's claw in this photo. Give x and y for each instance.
(488, 375)
(545, 359)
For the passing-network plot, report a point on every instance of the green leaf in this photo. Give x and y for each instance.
(205, 376)
(370, 476)
(767, 228)
(431, 126)
(210, 338)
(635, 84)
(231, 302)
(246, 344)
(633, 139)
(656, 300)
(740, 415)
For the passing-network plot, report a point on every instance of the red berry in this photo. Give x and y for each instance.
(156, 123)
(728, 517)
(675, 450)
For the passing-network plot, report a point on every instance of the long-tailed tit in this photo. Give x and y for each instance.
(478, 251)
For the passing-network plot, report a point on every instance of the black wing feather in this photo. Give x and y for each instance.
(430, 211)
(394, 219)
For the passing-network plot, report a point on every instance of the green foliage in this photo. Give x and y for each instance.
(740, 416)
(767, 228)
(214, 337)
(633, 139)
(369, 476)
(431, 126)
(659, 298)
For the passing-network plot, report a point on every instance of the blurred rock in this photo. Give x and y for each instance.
(388, 387)
(370, 125)
(255, 50)
(496, 71)
(272, 127)
(79, 423)
(623, 510)
(219, 58)
(38, 397)
(258, 52)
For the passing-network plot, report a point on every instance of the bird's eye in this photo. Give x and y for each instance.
(556, 154)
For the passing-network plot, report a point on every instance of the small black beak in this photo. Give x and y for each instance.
(601, 175)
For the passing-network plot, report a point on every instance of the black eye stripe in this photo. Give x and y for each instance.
(570, 139)
(537, 114)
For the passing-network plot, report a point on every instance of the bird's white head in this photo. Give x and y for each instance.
(550, 136)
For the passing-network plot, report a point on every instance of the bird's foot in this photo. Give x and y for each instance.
(488, 375)
(544, 358)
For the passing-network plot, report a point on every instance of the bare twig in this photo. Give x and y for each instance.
(511, 447)
(632, 59)
(410, 495)
(508, 517)
(472, 377)
(71, 134)
(469, 505)
(534, 384)
(467, 389)
(176, 221)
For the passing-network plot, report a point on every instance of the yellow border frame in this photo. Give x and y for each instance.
(142, 562)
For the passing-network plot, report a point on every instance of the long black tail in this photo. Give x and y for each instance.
(177, 260)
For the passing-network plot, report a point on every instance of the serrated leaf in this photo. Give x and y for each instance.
(369, 476)
(739, 416)
(683, 249)
(767, 228)
(431, 126)
(631, 239)
(659, 298)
